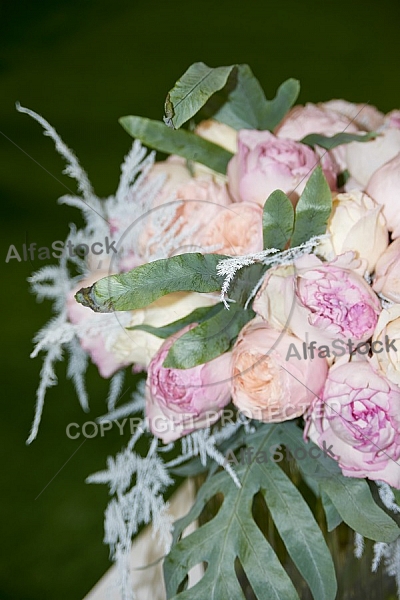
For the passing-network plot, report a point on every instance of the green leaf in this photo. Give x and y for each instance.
(208, 340)
(278, 220)
(156, 135)
(198, 315)
(333, 519)
(145, 284)
(351, 497)
(353, 500)
(313, 209)
(315, 139)
(192, 91)
(299, 531)
(244, 103)
(231, 534)
(277, 108)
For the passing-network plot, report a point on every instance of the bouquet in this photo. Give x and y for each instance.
(253, 276)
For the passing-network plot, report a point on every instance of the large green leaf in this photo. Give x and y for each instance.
(198, 315)
(351, 497)
(277, 108)
(208, 340)
(243, 104)
(333, 519)
(192, 91)
(316, 139)
(145, 284)
(278, 220)
(156, 135)
(231, 534)
(299, 531)
(313, 209)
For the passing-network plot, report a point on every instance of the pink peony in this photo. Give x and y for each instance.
(384, 188)
(358, 418)
(268, 382)
(179, 401)
(264, 163)
(320, 301)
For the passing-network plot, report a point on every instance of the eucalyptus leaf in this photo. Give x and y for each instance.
(156, 135)
(193, 272)
(232, 533)
(316, 139)
(278, 220)
(192, 91)
(198, 315)
(208, 340)
(313, 209)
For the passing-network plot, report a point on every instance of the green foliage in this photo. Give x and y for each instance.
(145, 284)
(233, 533)
(156, 135)
(316, 139)
(278, 220)
(240, 103)
(351, 497)
(192, 91)
(208, 340)
(313, 209)
(198, 315)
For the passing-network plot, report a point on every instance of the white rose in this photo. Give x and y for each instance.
(363, 159)
(387, 330)
(356, 223)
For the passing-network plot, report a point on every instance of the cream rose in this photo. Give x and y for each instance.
(364, 159)
(387, 273)
(386, 355)
(218, 133)
(356, 223)
(384, 188)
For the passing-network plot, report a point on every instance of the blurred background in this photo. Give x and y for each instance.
(83, 64)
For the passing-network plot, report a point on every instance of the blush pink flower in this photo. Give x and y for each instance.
(312, 118)
(264, 163)
(235, 230)
(268, 383)
(179, 401)
(320, 301)
(189, 208)
(358, 418)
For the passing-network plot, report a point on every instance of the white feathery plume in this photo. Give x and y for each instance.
(228, 267)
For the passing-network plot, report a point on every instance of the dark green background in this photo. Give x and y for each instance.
(83, 64)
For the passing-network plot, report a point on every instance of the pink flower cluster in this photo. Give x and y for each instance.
(349, 403)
